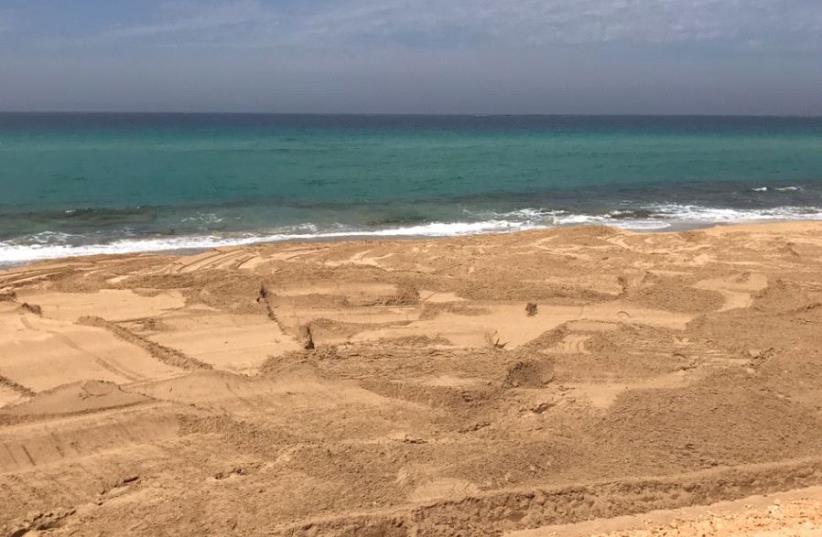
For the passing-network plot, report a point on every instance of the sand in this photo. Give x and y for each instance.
(665, 384)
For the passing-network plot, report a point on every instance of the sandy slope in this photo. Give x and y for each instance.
(797, 513)
(162, 395)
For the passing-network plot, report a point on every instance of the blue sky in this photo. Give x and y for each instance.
(413, 56)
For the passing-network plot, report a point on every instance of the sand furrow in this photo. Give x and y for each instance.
(164, 354)
(16, 387)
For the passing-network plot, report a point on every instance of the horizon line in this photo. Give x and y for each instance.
(405, 114)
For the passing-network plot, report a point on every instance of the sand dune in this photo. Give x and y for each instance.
(402, 387)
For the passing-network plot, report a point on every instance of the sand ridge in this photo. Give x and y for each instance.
(405, 387)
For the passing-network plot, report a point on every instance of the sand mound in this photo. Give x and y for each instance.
(7, 295)
(727, 419)
(529, 374)
(549, 338)
(672, 295)
(748, 332)
(782, 296)
(407, 295)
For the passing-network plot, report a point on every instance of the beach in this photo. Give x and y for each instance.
(564, 381)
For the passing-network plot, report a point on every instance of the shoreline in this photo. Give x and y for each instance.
(361, 237)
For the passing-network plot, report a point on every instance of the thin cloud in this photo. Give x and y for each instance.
(426, 23)
(195, 19)
(500, 56)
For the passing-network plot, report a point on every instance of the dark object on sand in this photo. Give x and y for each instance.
(306, 338)
(32, 308)
(531, 309)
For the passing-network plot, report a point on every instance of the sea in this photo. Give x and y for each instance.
(80, 184)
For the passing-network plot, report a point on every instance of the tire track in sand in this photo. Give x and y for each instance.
(164, 354)
(108, 365)
(16, 387)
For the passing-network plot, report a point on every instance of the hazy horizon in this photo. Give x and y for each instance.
(398, 114)
(419, 57)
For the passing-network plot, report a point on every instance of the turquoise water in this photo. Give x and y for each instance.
(75, 183)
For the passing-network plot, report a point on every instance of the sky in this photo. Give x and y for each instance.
(413, 56)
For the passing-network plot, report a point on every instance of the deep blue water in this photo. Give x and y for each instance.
(89, 183)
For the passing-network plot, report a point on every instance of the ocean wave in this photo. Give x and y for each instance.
(633, 219)
(12, 252)
(54, 245)
(777, 189)
(664, 215)
(719, 215)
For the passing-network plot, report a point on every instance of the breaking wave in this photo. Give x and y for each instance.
(658, 217)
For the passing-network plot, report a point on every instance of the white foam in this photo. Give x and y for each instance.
(55, 245)
(709, 215)
(778, 189)
(543, 218)
(11, 253)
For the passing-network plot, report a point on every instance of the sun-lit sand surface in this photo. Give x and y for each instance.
(661, 385)
(797, 513)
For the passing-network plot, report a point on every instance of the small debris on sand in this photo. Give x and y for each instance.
(31, 308)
